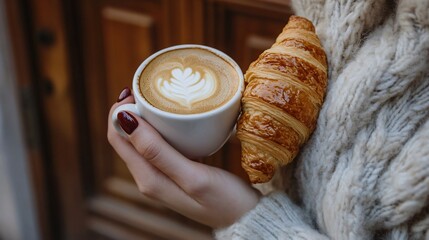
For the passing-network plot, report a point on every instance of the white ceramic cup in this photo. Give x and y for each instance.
(194, 135)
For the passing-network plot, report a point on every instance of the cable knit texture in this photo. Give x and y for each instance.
(364, 174)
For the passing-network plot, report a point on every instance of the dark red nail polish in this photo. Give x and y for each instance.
(125, 93)
(128, 122)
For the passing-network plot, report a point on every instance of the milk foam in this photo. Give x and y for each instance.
(187, 86)
(188, 81)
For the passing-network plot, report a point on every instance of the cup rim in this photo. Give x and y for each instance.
(236, 97)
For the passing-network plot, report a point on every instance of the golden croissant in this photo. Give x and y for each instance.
(285, 88)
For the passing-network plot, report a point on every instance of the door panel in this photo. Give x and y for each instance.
(244, 29)
(128, 38)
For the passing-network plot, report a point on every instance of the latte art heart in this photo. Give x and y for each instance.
(188, 81)
(187, 86)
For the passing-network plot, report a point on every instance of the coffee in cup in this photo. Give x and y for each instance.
(188, 81)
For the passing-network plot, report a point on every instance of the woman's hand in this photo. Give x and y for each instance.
(206, 194)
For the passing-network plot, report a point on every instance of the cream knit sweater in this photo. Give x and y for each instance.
(364, 174)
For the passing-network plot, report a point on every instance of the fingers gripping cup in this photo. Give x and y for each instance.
(191, 94)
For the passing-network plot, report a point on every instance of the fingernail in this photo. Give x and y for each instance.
(128, 122)
(125, 93)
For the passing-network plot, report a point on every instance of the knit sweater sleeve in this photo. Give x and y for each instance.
(275, 217)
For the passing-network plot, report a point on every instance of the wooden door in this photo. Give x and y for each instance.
(83, 53)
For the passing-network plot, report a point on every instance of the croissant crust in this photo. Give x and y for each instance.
(285, 88)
